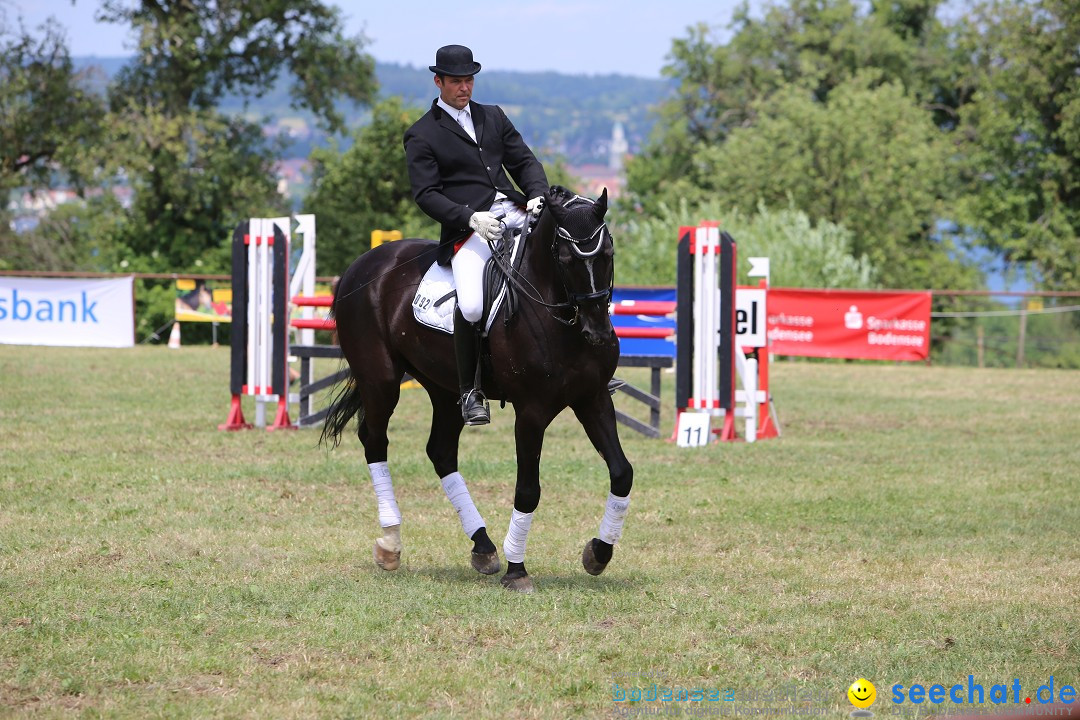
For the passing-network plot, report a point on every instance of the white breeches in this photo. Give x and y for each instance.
(468, 266)
(468, 262)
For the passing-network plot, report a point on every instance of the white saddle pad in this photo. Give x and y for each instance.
(436, 298)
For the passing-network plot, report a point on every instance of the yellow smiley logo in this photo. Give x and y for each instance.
(862, 693)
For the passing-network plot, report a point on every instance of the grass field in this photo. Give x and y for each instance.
(913, 525)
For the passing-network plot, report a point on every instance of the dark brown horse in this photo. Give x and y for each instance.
(557, 351)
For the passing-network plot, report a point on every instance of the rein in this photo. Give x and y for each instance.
(575, 300)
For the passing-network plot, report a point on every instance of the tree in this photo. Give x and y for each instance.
(365, 188)
(868, 159)
(842, 108)
(1022, 135)
(195, 171)
(193, 176)
(814, 45)
(191, 52)
(46, 112)
(74, 236)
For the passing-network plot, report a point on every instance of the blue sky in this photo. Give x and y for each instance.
(630, 37)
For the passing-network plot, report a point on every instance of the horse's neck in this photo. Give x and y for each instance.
(540, 266)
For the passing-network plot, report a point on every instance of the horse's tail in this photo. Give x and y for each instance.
(346, 402)
(345, 405)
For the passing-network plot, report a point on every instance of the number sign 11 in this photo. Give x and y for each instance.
(693, 429)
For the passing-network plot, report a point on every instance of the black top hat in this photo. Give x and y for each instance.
(454, 60)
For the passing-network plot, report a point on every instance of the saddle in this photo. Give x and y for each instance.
(436, 297)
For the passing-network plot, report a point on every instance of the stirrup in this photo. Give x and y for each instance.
(614, 384)
(474, 408)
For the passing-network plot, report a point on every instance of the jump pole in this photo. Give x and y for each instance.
(705, 322)
(259, 345)
(710, 352)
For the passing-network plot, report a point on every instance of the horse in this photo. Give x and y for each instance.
(557, 351)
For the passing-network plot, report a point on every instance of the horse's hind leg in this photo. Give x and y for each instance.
(380, 399)
(442, 449)
(597, 416)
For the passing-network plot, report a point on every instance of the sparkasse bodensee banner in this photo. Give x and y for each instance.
(855, 324)
(67, 311)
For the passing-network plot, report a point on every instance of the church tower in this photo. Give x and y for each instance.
(619, 147)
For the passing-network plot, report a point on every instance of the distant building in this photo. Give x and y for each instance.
(292, 177)
(28, 207)
(597, 177)
(293, 128)
(611, 176)
(39, 203)
(619, 148)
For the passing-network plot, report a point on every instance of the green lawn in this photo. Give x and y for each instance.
(913, 525)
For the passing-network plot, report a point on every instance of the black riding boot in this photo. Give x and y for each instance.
(474, 409)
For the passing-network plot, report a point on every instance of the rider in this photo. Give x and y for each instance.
(459, 154)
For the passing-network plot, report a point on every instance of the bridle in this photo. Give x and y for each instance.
(575, 299)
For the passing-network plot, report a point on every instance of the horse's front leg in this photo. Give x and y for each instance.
(529, 436)
(597, 416)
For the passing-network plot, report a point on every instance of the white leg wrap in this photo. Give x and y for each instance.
(384, 494)
(516, 536)
(457, 492)
(614, 516)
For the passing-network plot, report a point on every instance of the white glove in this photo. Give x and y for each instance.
(486, 226)
(535, 205)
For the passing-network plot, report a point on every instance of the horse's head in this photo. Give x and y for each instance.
(584, 254)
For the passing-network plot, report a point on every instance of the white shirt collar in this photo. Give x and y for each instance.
(453, 111)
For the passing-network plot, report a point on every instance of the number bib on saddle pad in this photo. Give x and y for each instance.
(436, 298)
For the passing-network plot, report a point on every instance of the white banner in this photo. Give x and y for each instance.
(69, 312)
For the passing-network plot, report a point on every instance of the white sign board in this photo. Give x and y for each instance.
(67, 312)
(759, 267)
(692, 429)
(750, 317)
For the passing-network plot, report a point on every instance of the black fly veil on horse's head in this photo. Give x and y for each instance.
(584, 255)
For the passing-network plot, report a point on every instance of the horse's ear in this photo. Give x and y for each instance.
(554, 204)
(556, 193)
(601, 205)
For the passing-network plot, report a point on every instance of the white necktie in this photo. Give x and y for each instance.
(462, 115)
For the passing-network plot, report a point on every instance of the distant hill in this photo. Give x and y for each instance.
(569, 115)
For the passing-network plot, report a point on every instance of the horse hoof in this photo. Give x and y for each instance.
(486, 563)
(589, 561)
(518, 583)
(387, 559)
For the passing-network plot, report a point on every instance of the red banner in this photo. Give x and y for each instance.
(858, 324)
